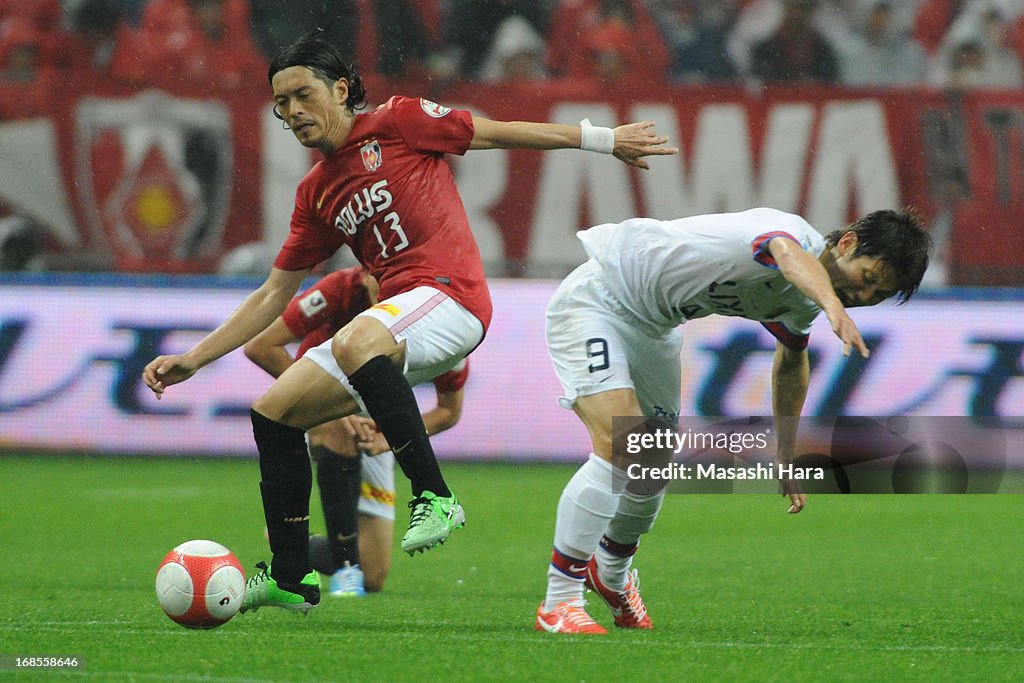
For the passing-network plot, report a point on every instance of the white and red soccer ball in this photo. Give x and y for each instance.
(200, 584)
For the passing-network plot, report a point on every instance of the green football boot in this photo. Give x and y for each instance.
(431, 521)
(261, 590)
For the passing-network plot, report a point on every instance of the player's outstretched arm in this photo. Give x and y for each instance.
(791, 372)
(257, 311)
(811, 278)
(629, 143)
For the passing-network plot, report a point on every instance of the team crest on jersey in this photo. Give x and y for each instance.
(312, 303)
(433, 109)
(371, 154)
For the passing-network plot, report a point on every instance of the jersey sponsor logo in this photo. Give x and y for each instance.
(371, 154)
(364, 205)
(320, 202)
(312, 303)
(377, 494)
(391, 310)
(433, 109)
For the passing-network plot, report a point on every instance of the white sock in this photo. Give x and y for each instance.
(587, 504)
(634, 517)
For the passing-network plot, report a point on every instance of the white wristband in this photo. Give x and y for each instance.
(596, 138)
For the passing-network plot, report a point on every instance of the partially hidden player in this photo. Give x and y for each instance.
(355, 468)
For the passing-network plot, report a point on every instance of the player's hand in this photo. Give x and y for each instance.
(797, 498)
(358, 428)
(633, 141)
(375, 445)
(163, 371)
(846, 330)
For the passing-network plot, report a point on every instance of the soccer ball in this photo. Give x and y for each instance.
(200, 584)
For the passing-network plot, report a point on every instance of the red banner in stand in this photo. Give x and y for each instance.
(172, 180)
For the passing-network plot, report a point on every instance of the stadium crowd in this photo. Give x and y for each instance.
(878, 43)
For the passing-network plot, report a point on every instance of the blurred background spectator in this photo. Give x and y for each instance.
(695, 32)
(517, 53)
(21, 244)
(606, 40)
(395, 38)
(99, 38)
(20, 51)
(475, 28)
(796, 51)
(933, 20)
(880, 53)
(758, 20)
(195, 41)
(29, 37)
(976, 52)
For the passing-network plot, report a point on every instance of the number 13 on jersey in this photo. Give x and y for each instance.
(393, 223)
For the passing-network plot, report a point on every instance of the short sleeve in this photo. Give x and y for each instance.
(306, 246)
(454, 379)
(759, 247)
(307, 312)
(796, 341)
(431, 128)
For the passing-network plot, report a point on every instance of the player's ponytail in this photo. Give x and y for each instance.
(356, 91)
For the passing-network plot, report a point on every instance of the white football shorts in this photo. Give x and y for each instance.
(437, 330)
(596, 346)
(378, 490)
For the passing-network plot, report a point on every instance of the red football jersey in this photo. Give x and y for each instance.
(389, 195)
(331, 303)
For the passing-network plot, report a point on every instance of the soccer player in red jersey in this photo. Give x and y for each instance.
(354, 463)
(383, 189)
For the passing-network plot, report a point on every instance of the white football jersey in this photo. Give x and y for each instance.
(667, 272)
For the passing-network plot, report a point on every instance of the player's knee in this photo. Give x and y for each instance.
(267, 407)
(361, 340)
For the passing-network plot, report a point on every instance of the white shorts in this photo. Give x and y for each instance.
(438, 332)
(377, 498)
(595, 346)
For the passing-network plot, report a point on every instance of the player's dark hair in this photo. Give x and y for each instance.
(898, 239)
(326, 63)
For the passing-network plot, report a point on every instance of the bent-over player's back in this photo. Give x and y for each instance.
(667, 272)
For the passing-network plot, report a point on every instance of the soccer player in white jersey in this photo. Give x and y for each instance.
(612, 337)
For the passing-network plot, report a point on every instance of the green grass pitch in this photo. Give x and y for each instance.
(872, 588)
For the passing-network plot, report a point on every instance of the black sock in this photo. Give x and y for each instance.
(340, 481)
(392, 405)
(286, 482)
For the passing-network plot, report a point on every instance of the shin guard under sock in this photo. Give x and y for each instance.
(340, 482)
(392, 405)
(286, 482)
